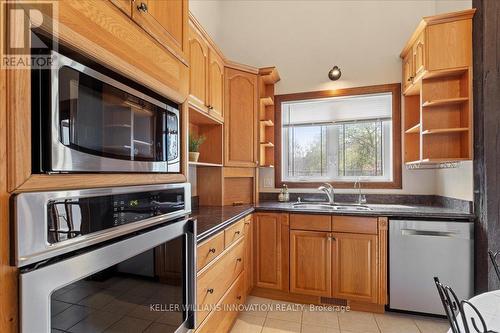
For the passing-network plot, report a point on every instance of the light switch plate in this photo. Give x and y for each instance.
(268, 182)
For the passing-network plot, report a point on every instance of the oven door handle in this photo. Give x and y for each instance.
(37, 285)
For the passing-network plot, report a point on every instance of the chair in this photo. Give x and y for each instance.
(456, 311)
(493, 257)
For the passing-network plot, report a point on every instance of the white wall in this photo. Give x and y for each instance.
(305, 38)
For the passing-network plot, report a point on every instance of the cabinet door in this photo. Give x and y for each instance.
(198, 72)
(354, 267)
(270, 248)
(310, 263)
(215, 85)
(419, 55)
(166, 21)
(248, 261)
(407, 70)
(240, 118)
(124, 5)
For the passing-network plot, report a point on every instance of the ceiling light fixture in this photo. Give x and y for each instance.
(335, 73)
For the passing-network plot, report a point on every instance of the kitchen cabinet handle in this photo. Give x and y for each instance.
(331, 238)
(212, 250)
(238, 298)
(143, 7)
(238, 260)
(210, 291)
(237, 232)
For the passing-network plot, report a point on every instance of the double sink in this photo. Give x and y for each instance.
(328, 206)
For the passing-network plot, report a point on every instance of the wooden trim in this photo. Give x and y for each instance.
(394, 88)
(383, 224)
(241, 67)
(280, 295)
(71, 181)
(8, 274)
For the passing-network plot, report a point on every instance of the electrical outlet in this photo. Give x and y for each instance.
(268, 182)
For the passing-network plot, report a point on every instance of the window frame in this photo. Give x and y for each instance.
(393, 88)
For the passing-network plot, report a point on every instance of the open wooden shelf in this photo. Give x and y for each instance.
(445, 130)
(413, 129)
(268, 76)
(267, 122)
(205, 164)
(437, 160)
(267, 101)
(201, 118)
(444, 73)
(443, 102)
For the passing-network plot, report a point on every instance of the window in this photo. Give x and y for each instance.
(339, 139)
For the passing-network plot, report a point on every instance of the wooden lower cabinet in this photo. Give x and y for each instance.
(224, 281)
(345, 259)
(354, 267)
(271, 242)
(222, 320)
(310, 262)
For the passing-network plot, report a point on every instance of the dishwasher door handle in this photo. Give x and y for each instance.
(414, 232)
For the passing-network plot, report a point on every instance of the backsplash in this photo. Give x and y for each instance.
(396, 199)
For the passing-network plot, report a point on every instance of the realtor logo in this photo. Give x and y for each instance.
(27, 30)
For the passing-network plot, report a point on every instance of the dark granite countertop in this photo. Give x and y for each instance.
(211, 220)
(389, 210)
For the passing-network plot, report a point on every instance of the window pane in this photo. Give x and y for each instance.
(338, 139)
(307, 149)
(361, 149)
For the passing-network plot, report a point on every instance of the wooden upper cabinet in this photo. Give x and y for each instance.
(215, 85)
(270, 249)
(407, 71)
(166, 21)
(354, 267)
(198, 72)
(240, 118)
(310, 263)
(419, 56)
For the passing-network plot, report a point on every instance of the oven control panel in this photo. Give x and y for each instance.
(74, 217)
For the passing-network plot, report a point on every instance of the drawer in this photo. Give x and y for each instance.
(221, 321)
(353, 224)
(215, 279)
(234, 232)
(209, 250)
(311, 222)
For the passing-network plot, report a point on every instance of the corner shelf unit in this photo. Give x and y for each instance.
(438, 120)
(268, 76)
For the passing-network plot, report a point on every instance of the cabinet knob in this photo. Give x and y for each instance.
(143, 7)
(212, 250)
(210, 291)
(237, 232)
(238, 260)
(330, 238)
(238, 298)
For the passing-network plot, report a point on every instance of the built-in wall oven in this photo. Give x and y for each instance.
(115, 259)
(87, 118)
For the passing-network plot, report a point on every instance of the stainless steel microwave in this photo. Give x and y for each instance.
(89, 119)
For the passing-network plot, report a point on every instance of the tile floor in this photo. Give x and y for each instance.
(308, 320)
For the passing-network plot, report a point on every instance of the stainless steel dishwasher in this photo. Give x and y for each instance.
(420, 250)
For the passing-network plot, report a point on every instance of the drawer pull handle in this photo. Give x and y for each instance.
(238, 298)
(237, 232)
(212, 250)
(210, 291)
(238, 260)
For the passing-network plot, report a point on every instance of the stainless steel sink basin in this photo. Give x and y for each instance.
(326, 206)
